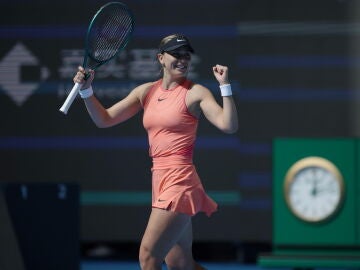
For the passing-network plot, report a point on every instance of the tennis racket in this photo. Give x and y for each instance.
(108, 33)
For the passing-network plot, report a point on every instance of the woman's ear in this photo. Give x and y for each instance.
(160, 57)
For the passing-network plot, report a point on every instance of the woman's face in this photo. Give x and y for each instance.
(176, 62)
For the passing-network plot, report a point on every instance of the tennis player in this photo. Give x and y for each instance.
(171, 110)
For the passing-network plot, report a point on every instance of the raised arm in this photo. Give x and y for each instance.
(119, 112)
(225, 117)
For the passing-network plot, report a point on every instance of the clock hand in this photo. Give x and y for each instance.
(329, 190)
(314, 190)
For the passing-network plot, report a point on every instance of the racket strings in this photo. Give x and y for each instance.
(109, 33)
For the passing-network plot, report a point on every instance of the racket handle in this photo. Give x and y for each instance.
(70, 98)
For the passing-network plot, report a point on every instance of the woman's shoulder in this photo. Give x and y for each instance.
(198, 90)
(145, 86)
(143, 89)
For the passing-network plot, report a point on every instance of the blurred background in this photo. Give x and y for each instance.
(293, 69)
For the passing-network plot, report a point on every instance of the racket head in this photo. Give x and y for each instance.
(108, 34)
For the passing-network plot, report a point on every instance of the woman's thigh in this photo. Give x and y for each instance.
(164, 230)
(180, 255)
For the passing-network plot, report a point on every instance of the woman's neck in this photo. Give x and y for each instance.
(169, 83)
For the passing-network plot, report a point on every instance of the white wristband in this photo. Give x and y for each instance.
(86, 93)
(225, 90)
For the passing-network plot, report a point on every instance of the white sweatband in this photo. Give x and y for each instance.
(86, 92)
(225, 90)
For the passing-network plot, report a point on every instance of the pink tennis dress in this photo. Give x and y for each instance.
(171, 129)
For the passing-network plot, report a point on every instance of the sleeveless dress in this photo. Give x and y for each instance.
(171, 129)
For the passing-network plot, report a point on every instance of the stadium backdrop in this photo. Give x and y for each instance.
(289, 67)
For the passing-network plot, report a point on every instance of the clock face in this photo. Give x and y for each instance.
(313, 189)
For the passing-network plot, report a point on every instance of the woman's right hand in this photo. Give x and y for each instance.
(80, 78)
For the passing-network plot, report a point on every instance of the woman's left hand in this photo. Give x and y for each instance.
(221, 74)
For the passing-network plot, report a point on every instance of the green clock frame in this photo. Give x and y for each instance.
(332, 242)
(341, 229)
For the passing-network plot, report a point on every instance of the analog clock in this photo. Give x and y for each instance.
(314, 189)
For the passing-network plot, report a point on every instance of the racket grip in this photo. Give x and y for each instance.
(70, 98)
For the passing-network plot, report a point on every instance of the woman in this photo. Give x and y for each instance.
(172, 106)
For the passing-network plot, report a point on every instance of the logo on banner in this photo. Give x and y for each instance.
(21, 73)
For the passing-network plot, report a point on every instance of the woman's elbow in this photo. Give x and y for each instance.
(102, 124)
(231, 129)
